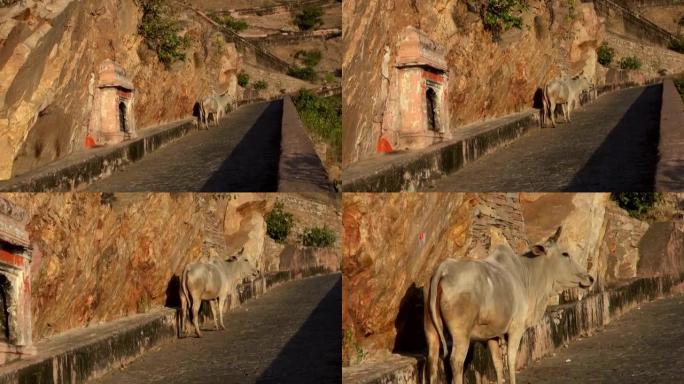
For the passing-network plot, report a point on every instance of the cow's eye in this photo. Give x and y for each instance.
(566, 254)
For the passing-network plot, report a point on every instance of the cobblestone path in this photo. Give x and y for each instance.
(644, 346)
(292, 334)
(610, 145)
(241, 154)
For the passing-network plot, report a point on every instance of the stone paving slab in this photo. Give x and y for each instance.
(406, 171)
(610, 145)
(290, 335)
(240, 155)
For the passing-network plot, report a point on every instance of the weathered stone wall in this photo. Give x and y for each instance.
(115, 255)
(393, 243)
(627, 22)
(653, 58)
(48, 53)
(487, 78)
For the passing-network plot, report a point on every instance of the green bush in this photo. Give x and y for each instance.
(243, 79)
(278, 223)
(228, 22)
(318, 237)
(7, 3)
(304, 73)
(308, 18)
(161, 32)
(309, 58)
(605, 54)
(323, 117)
(501, 15)
(260, 85)
(630, 62)
(637, 203)
(677, 44)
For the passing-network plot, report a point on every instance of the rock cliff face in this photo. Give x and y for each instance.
(486, 78)
(99, 257)
(393, 243)
(50, 51)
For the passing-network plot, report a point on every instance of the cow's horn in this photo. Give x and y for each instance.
(556, 235)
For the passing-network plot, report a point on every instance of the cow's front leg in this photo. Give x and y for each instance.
(552, 112)
(493, 345)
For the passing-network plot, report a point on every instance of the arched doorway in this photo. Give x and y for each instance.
(122, 117)
(5, 303)
(431, 99)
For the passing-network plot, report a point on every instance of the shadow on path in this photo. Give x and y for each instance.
(253, 164)
(627, 158)
(314, 353)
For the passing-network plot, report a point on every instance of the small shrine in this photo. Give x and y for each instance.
(15, 284)
(418, 109)
(112, 120)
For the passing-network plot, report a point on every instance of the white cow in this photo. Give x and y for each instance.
(216, 104)
(212, 280)
(486, 299)
(565, 91)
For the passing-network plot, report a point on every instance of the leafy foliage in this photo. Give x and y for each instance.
(278, 223)
(677, 44)
(243, 79)
(260, 85)
(229, 22)
(309, 18)
(161, 32)
(318, 237)
(499, 16)
(304, 73)
(605, 54)
(323, 117)
(309, 58)
(630, 62)
(7, 3)
(637, 203)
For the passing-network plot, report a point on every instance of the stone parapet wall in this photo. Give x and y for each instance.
(624, 21)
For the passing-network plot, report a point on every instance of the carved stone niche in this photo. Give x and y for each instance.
(419, 113)
(15, 284)
(112, 120)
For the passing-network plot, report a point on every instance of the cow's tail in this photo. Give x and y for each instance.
(436, 318)
(185, 301)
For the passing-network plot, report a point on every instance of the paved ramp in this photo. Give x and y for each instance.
(241, 154)
(611, 145)
(643, 346)
(292, 334)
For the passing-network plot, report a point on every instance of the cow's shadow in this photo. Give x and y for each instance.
(410, 340)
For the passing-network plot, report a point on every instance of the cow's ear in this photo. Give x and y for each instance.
(538, 250)
(241, 251)
(556, 235)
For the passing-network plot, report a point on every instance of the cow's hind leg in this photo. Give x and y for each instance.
(459, 316)
(214, 314)
(221, 306)
(552, 112)
(493, 345)
(196, 304)
(432, 338)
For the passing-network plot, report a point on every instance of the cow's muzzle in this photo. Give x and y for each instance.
(587, 282)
